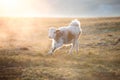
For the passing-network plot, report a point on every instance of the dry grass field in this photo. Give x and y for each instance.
(24, 45)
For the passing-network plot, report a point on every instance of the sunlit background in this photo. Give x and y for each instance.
(59, 8)
(14, 25)
(24, 8)
(24, 41)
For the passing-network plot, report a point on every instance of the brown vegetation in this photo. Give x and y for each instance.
(24, 45)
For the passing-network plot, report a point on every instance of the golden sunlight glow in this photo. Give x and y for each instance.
(9, 3)
(9, 7)
(23, 8)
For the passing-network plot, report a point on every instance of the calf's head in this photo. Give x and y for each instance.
(54, 33)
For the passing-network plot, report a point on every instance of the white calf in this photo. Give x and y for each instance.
(65, 35)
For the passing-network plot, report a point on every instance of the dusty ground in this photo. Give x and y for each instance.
(24, 45)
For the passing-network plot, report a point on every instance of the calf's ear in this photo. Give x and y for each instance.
(58, 33)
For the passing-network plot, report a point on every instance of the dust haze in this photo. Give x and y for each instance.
(23, 32)
(24, 44)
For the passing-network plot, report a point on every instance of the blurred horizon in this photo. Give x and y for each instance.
(59, 8)
(59, 16)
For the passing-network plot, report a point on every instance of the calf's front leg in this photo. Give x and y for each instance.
(55, 46)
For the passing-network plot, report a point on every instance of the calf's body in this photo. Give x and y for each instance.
(66, 35)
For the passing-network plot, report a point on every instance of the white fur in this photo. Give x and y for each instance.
(74, 28)
(51, 32)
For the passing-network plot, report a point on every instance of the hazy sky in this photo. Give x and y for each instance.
(68, 8)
